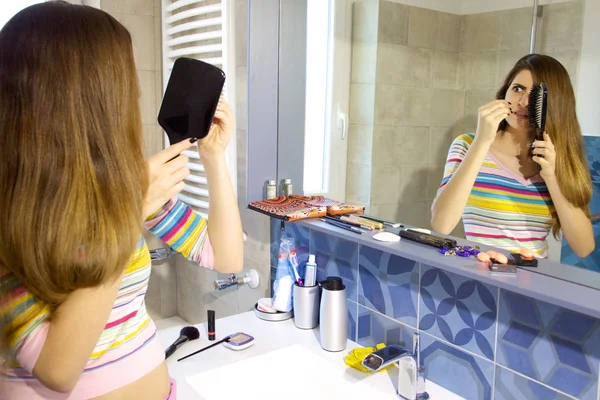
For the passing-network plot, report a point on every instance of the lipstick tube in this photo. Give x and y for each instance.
(211, 325)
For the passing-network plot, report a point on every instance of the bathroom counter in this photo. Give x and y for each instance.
(270, 336)
(566, 286)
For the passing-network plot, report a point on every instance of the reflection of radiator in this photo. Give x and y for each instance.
(200, 29)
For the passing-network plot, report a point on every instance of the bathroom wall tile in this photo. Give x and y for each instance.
(336, 257)
(591, 262)
(352, 320)
(393, 22)
(561, 25)
(241, 32)
(387, 146)
(362, 104)
(435, 173)
(300, 234)
(481, 32)
(257, 244)
(375, 328)
(144, 48)
(473, 100)
(510, 386)
(549, 344)
(448, 32)
(365, 21)
(413, 183)
(136, 7)
(403, 65)
(447, 107)
(458, 310)
(148, 106)
(153, 139)
(386, 211)
(389, 284)
(358, 184)
(242, 168)
(384, 185)
(441, 138)
(422, 27)
(167, 276)
(152, 298)
(416, 107)
(481, 70)
(414, 213)
(389, 104)
(364, 62)
(592, 151)
(414, 145)
(360, 144)
(516, 28)
(462, 373)
(444, 70)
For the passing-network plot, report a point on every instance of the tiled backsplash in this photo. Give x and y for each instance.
(477, 340)
(592, 148)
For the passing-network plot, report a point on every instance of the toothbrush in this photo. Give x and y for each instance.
(294, 263)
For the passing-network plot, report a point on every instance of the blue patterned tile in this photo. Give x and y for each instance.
(549, 344)
(592, 150)
(591, 262)
(299, 233)
(458, 310)
(389, 284)
(510, 386)
(352, 318)
(336, 257)
(374, 328)
(462, 373)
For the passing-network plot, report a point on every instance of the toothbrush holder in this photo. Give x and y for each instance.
(307, 300)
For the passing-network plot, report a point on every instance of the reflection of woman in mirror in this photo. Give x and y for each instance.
(506, 197)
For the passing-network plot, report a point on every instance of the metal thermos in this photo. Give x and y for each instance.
(333, 314)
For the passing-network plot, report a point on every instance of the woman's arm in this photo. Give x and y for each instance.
(73, 332)
(575, 225)
(224, 226)
(449, 204)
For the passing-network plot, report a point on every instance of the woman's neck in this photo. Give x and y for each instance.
(517, 140)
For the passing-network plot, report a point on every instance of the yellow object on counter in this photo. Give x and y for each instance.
(355, 357)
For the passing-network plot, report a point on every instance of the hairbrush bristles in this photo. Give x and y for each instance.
(538, 105)
(191, 332)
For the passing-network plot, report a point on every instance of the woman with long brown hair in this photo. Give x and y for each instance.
(75, 195)
(510, 189)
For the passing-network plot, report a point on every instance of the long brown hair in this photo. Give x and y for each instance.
(572, 171)
(72, 172)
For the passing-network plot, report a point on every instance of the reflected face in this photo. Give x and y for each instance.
(518, 95)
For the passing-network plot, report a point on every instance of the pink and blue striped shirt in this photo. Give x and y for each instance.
(127, 348)
(504, 209)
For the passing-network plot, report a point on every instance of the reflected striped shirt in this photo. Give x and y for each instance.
(504, 210)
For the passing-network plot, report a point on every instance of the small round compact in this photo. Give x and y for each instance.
(239, 341)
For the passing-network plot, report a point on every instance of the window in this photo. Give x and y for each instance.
(9, 9)
(203, 30)
(327, 97)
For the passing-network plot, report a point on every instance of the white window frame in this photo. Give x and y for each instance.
(227, 63)
(333, 159)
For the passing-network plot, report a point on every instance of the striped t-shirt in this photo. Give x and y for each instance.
(127, 349)
(504, 210)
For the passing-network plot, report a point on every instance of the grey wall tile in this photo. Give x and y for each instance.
(389, 104)
(561, 25)
(403, 65)
(414, 145)
(385, 185)
(362, 104)
(387, 146)
(416, 110)
(448, 32)
(481, 32)
(360, 144)
(241, 32)
(358, 184)
(517, 28)
(135, 7)
(365, 21)
(447, 107)
(480, 70)
(422, 27)
(393, 22)
(413, 183)
(444, 70)
(364, 62)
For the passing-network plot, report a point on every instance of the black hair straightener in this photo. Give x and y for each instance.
(427, 239)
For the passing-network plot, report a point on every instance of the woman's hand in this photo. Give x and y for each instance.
(545, 156)
(220, 132)
(165, 176)
(490, 116)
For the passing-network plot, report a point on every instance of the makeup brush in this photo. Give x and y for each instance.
(188, 333)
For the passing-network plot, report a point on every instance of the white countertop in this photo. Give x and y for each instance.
(269, 337)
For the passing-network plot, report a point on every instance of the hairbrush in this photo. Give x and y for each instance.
(538, 107)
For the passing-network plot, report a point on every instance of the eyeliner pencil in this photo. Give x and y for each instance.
(342, 225)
